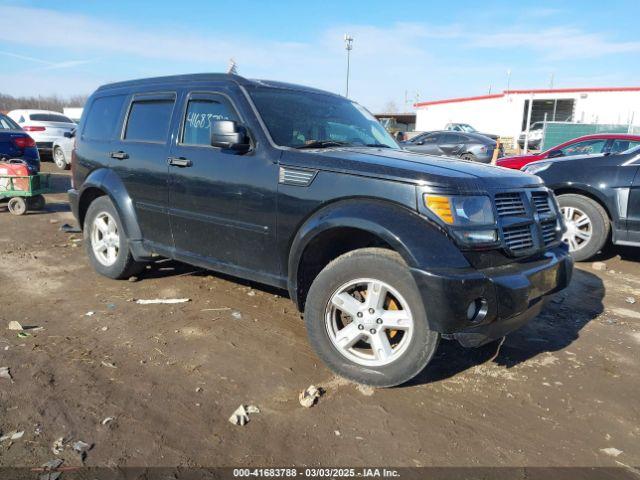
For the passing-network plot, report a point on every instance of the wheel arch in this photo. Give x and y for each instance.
(105, 182)
(585, 192)
(360, 223)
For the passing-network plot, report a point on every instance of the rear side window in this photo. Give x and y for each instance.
(49, 117)
(103, 118)
(149, 121)
(623, 145)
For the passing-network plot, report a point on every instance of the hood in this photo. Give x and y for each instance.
(411, 167)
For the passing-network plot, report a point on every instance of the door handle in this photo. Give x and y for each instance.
(180, 162)
(119, 155)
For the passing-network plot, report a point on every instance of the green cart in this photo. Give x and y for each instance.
(24, 192)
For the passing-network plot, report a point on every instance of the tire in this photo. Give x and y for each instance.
(59, 158)
(469, 156)
(584, 239)
(37, 203)
(106, 243)
(17, 206)
(411, 348)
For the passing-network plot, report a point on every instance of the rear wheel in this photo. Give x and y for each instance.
(60, 159)
(17, 206)
(106, 242)
(37, 202)
(365, 318)
(587, 225)
(469, 156)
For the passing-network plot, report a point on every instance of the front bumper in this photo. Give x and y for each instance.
(513, 295)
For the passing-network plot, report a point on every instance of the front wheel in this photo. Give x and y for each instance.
(366, 320)
(587, 225)
(469, 156)
(106, 242)
(60, 159)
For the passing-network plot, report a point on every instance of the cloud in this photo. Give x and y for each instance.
(554, 43)
(387, 61)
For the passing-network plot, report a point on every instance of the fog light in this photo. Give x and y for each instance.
(479, 236)
(477, 310)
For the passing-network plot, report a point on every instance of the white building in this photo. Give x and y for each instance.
(505, 113)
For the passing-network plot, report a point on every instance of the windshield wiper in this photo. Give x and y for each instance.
(323, 144)
(379, 145)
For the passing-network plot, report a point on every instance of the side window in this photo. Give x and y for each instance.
(588, 147)
(102, 118)
(450, 138)
(429, 139)
(21, 119)
(622, 145)
(149, 121)
(201, 111)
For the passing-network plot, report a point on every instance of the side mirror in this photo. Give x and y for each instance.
(420, 142)
(555, 153)
(70, 134)
(229, 135)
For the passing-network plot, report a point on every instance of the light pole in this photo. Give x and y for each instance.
(348, 45)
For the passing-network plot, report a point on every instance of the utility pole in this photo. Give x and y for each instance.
(348, 45)
(508, 79)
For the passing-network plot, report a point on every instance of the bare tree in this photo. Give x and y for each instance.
(50, 102)
(390, 107)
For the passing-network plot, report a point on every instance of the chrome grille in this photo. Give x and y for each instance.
(518, 237)
(541, 202)
(509, 204)
(549, 232)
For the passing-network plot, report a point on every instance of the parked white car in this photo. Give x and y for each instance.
(43, 126)
(62, 148)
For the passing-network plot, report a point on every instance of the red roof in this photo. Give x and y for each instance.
(531, 91)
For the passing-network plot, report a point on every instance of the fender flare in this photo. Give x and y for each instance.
(588, 191)
(107, 181)
(421, 244)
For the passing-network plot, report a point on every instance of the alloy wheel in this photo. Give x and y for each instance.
(579, 228)
(369, 322)
(105, 239)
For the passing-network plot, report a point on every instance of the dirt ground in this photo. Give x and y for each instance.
(563, 391)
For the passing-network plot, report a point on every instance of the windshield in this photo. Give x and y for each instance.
(635, 149)
(302, 119)
(465, 127)
(49, 117)
(7, 124)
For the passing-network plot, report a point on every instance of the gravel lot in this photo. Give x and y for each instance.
(560, 392)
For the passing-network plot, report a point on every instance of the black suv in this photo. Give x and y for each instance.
(385, 251)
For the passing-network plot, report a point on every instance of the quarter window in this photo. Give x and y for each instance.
(149, 121)
(201, 112)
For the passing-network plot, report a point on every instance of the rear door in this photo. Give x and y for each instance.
(139, 158)
(452, 144)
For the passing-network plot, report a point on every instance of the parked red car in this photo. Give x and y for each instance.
(589, 144)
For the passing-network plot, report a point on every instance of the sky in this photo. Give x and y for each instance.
(402, 51)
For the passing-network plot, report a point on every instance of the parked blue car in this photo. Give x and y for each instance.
(16, 143)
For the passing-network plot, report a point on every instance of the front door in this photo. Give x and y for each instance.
(222, 205)
(633, 206)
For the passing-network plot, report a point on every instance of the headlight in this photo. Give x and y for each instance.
(463, 211)
(535, 168)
